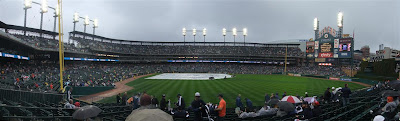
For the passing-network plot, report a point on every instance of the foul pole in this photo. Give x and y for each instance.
(60, 47)
(286, 58)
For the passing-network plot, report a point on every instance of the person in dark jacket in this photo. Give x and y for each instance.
(249, 105)
(307, 112)
(239, 101)
(181, 102)
(317, 111)
(154, 101)
(119, 98)
(345, 94)
(197, 107)
(267, 97)
(327, 95)
(124, 99)
(136, 101)
(284, 94)
(163, 103)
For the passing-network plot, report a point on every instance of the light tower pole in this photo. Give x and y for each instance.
(234, 33)
(27, 4)
(194, 36)
(340, 24)
(224, 34)
(204, 35)
(86, 22)
(244, 35)
(76, 20)
(56, 14)
(43, 10)
(95, 25)
(316, 28)
(184, 35)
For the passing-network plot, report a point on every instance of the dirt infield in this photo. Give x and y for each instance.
(121, 88)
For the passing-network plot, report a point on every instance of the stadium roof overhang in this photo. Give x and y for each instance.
(172, 43)
(15, 27)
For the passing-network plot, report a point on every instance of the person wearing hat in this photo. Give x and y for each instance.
(163, 103)
(181, 102)
(221, 108)
(197, 107)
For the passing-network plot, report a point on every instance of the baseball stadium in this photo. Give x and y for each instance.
(69, 75)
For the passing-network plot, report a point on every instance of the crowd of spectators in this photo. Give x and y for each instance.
(187, 50)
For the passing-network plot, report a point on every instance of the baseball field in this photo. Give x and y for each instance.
(249, 86)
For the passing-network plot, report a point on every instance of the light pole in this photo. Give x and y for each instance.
(95, 25)
(194, 36)
(43, 10)
(234, 33)
(340, 24)
(224, 34)
(86, 22)
(204, 35)
(27, 4)
(244, 35)
(316, 28)
(184, 35)
(56, 14)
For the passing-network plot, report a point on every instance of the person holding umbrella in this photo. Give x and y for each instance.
(197, 107)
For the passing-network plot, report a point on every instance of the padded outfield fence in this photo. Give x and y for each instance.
(16, 95)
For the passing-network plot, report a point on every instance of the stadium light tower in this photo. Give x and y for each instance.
(86, 22)
(316, 28)
(56, 14)
(244, 35)
(194, 36)
(224, 34)
(184, 35)
(95, 25)
(204, 35)
(234, 33)
(27, 5)
(340, 24)
(43, 10)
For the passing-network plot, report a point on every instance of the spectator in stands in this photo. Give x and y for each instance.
(221, 108)
(307, 112)
(345, 94)
(239, 101)
(317, 111)
(154, 101)
(69, 104)
(327, 95)
(136, 101)
(197, 106)
(181, 102)
(119, 98)
(390, 108)
(124, 99)
(277, 96)
(267, 97)
(249, 105)
(284, 94)
(163, 103)
(77, 104)
(306, 94)
(69, 97)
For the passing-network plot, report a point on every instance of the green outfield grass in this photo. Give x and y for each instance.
(249, 86)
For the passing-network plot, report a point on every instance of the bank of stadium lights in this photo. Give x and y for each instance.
(85, 23)
(340, 24)
(194, 36)
(340, 19)
(184, 35)
(204, 35)
(224, 34)
(316, 28)
(315, 23)
(244, 36)
(43, 9)
(234, 33)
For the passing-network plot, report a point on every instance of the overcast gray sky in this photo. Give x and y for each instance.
(374, 21)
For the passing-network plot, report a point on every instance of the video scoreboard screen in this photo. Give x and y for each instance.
(330, 47)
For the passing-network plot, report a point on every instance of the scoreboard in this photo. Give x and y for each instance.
(330, 47)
